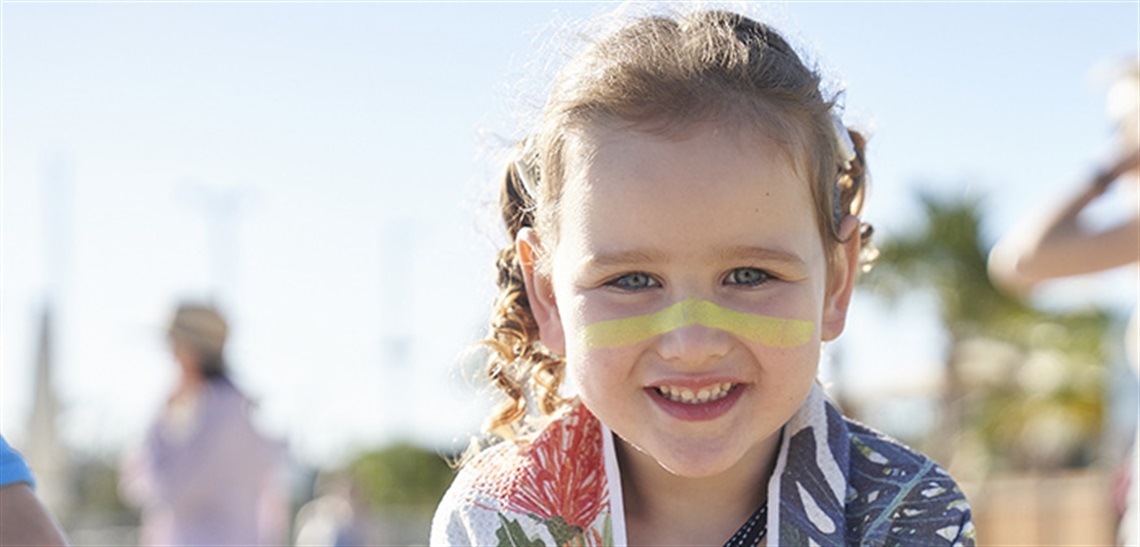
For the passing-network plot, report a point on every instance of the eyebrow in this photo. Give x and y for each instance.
(623, 258)
(763, 254)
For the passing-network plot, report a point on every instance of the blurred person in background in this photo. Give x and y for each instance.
(340, 515)
(23, 519)
(1061, 243)
(204, 475)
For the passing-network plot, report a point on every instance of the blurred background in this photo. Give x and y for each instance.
(324, 172)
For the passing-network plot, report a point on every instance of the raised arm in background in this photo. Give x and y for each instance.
(1060, 244)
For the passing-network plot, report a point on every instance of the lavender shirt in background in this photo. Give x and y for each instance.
(205, 476)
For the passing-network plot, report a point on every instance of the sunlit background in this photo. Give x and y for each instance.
(325, 173)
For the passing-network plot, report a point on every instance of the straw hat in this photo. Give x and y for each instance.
(201, 326)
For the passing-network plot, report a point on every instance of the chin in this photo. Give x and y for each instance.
(699, 461)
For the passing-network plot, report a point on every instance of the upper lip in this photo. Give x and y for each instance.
(694, 384)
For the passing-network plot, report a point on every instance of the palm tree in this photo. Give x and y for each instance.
(1024, 383)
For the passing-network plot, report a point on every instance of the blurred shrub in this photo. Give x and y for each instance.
(1024, 385)
(402, 475)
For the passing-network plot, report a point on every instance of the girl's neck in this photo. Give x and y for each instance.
(663, 508)
(189, 384)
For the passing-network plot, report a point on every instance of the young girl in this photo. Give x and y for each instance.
(685, 237)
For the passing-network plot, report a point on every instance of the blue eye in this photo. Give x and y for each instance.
(634, 282)
(748, 277)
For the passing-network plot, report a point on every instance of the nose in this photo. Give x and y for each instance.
(693, 346)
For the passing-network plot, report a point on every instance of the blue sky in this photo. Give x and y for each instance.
(356, 145)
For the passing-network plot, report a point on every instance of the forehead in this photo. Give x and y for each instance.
(711, 183)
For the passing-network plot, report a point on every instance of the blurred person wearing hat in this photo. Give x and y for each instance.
(1061, 243)
(204, 475)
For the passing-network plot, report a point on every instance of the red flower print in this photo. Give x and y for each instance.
(564, 473)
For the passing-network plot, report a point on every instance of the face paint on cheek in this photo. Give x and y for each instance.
(770, 331)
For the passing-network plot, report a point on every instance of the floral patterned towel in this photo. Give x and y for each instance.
(837, 482)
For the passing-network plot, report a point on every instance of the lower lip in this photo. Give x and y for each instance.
(697, 412)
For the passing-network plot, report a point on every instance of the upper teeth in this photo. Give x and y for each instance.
(703, 395)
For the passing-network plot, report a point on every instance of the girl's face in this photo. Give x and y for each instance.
(716, 220)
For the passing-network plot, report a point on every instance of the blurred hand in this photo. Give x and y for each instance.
(1124, 164)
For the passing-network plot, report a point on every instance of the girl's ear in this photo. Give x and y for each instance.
(540, 291)
(841, 281)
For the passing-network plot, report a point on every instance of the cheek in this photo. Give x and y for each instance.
(581, 366)
(594, 373)
(789, 367)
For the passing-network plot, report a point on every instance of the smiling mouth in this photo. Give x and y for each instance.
(688, 396)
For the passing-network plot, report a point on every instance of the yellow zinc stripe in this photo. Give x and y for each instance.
(770, 331)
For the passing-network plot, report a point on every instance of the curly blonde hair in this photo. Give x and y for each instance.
(661, 74)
